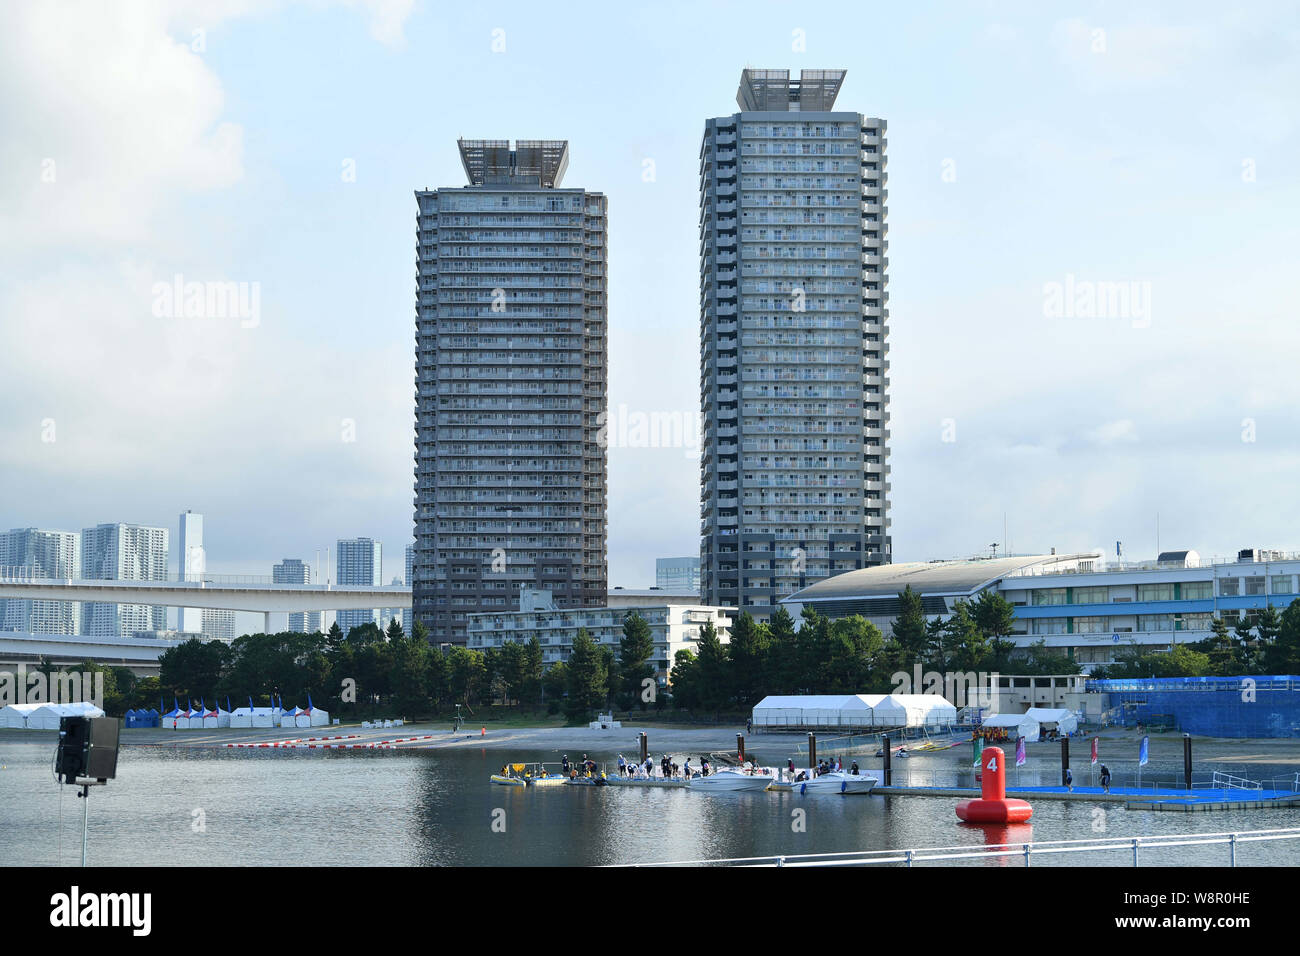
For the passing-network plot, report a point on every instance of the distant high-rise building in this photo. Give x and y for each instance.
(360, 562)
(218, 624)
(193, 563)
(511, 322)
(389, 614)
(677, 574)
(794, 381)
(41, 554)
(123, 552)
(295, 571)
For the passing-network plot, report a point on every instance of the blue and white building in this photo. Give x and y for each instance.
(1080, 603)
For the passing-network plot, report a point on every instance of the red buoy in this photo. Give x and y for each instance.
(993, 806)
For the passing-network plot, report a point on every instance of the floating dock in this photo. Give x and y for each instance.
(1133, 798)
(648, 783)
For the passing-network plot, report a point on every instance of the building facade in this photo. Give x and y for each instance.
(673, 627)
(295, 571)
(1083, 605)
(359, 561)
(123, 552)
(41, 553)
(793, 338)
(511, 354)
(678, 574)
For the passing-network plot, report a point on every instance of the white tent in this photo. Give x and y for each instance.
(813, 710)
(47, 716)
(1017, 725)
(926, 710)
(216, 718)
(1065, 720)
(15, 715)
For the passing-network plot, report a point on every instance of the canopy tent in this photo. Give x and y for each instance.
(1064, 720)
(142, 718)
(15, 715)
(172, 719)
(1016, 725)
(813, 710)
(48, 716)
(925, 710)
(314, 716)
(216, 717)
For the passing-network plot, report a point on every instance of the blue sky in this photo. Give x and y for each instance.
(1028, 143)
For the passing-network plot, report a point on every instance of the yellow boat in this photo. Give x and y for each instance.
(511, 775)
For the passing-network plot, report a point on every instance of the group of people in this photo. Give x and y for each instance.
(586, 768)
(668, 769)
(823, 767)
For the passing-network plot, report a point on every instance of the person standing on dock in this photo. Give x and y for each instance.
(1105, 778)
(622, 766)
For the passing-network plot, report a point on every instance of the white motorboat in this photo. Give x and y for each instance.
(835, 782)
(727, 781)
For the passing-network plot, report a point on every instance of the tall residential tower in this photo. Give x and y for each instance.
(793, 383)
(511, 318)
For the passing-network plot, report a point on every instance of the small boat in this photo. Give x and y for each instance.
(835, 782)
(508, 780)
(724, 781)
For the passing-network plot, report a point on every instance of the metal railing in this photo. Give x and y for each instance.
(1024, 851)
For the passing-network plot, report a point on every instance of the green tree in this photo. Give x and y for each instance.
(466, 676)
(909, 627)
(685, 680)
(712, 663)
(635, 649)
(781, 667)
(968, 646)
(193, 668)
(394, 630)
(749, 651)
(588, 677)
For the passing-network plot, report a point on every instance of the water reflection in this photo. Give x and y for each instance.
(360, 808)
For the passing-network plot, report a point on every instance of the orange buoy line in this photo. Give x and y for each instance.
(993, 806)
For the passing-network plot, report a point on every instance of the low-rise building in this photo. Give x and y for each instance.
(673, 626)
(1081, 604)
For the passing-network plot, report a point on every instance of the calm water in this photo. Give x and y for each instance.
(266, 808)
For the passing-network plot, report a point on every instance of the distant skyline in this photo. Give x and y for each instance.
(1034, 155)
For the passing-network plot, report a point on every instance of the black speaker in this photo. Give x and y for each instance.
(87, 748)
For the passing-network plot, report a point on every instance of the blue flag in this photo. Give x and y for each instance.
(1144, 752)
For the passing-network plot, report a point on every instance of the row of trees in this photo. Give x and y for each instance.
(850, 655)
(369, 671)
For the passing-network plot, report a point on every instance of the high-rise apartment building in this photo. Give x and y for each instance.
(218, 624)
(793, 369)
(295, 571)
(678, 574)
(510, 480)
(360, 561)
(123, 552)
(41, 554)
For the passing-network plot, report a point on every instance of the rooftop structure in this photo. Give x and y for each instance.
(773, 90)
(493, 162)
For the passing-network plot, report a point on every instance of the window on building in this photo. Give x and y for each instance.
(1092, 595)
(1155, 622)
(1228, 587)
(1049, 625)
(1091, 625)
(1155, 592)
(1198, 591)
(1044, 596)
(1281, 584)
